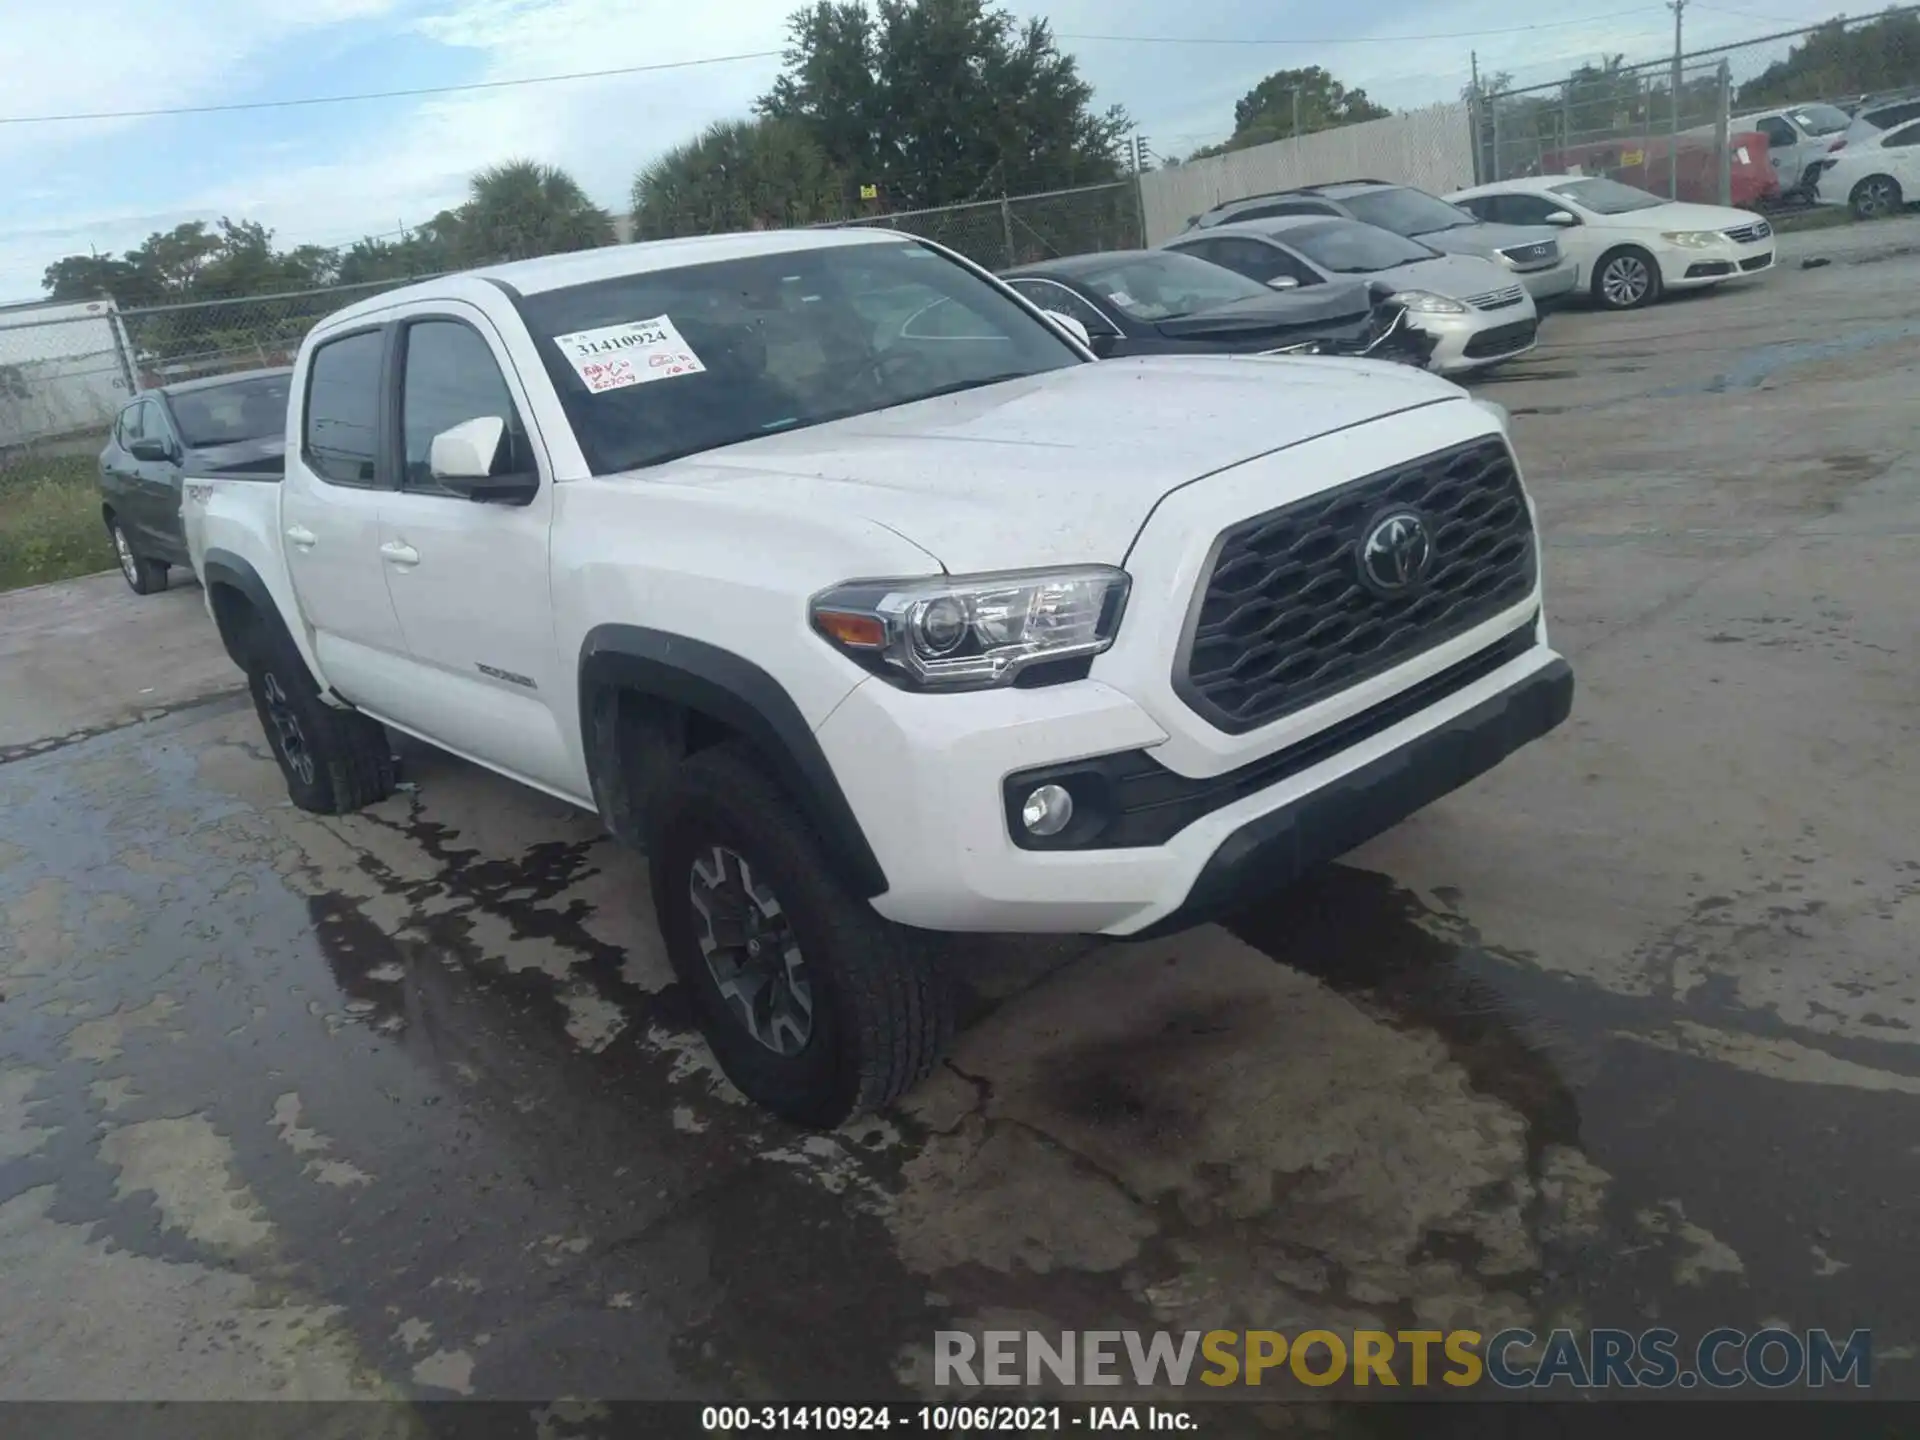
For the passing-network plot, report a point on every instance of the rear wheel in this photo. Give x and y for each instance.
(143, 576)
(1626, 279)
(815, 1006)
(1875, 196)
(334, 760)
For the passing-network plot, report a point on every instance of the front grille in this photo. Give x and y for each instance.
(1705, 268)
(1747, 234)
(1757, 262)
(1544, 253)
(1501, 340)
(1497, 299)
(1285, 617)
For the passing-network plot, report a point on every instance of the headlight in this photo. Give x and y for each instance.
(1425, 302)
(972, 632)
(1693, 239)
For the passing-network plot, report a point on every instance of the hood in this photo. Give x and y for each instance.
(1459, 276)
(265, 455)
(1058, 468)
(1485, 238)
(1278, 310)
(1681, 215)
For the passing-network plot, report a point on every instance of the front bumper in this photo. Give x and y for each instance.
(1464, 343)
(1686, 268)
(928, 779)
(1550, 283)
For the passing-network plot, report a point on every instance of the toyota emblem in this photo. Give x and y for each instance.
(1396, 552)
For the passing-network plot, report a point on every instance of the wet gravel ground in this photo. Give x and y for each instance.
(405, 1104)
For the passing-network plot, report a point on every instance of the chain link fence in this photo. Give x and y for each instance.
(64, 370)
(1735, 124)
(999, 234)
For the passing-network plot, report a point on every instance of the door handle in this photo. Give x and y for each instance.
(302, 537)
(400, 553)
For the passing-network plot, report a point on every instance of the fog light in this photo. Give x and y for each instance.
(1047, 811)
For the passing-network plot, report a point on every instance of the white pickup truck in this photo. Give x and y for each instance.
(851, 588)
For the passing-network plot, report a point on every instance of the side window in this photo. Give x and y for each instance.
(341, 432)
(1049, 296)
(452, 377)
(130, 423)
(1481, 207)
(1893, 115)
(155, 424)
(1259, 261)
(1524, 210)
(1777, 131)
(1908, 136)
(1285, 207)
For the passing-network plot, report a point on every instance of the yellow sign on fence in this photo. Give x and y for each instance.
(1631, 158)
(869, 192)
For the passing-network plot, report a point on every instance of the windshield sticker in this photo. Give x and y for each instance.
(1120, 297)
(616, 356)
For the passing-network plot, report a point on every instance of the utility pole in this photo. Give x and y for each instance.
(1296, 112)
(1475, 118)
(1673, 140)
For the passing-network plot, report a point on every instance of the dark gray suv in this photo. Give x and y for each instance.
(1531, 252)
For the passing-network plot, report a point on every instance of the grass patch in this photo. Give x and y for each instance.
(50, 521)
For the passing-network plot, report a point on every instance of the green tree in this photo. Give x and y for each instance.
(522, 208)
(937, 102)
(737, 175)
(1268, 111)
(1835, 61)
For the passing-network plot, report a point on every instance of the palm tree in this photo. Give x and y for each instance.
(737, 175)
(522, 208)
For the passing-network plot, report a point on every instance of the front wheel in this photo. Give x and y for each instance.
(1626, 280)
(1875, 196)
(143, 576)
(815, 1006)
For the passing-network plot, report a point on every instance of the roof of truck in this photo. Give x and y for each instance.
(607, 262)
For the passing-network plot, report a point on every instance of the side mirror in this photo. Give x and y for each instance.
(1283, 282)
(1562, 217)
(1072, 326)
(464, 459)
(151, 450)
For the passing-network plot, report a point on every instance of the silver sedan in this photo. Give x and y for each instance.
(1477, 313)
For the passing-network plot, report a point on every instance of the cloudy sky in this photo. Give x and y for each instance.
(329, 173)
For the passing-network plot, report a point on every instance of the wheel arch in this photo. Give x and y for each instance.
(648, 698)
(239, 600)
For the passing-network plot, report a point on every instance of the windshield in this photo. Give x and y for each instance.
(1607, 197)
(1406, 212)
(672, 362)
(1820, 119)
(1168, 285)
(227, 414)
(1347, 247)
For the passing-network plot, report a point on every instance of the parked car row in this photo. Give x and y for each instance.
(1359, 269)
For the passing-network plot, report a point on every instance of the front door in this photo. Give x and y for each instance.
(330, 523)
(489, 687)
(157, 484)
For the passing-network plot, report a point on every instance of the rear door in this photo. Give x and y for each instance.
(485, 689)
(330, 520)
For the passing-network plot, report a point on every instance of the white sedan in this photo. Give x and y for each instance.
(1875, 173)
(1630, 245)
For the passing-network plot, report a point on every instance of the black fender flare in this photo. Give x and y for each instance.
(694, 676)
(223, 567)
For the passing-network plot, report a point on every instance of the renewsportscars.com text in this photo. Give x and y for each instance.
(1509, 1359)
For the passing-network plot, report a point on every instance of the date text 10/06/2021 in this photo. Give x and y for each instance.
(945, 1419)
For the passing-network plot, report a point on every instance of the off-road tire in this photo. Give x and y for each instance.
(348, 761)
(882, 1012)
(143, 576)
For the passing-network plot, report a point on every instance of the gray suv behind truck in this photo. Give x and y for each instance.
(1531, 252)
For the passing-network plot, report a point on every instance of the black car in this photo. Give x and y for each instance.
(225, 424)
(1158, 302)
